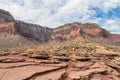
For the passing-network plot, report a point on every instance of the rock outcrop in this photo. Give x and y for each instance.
(115, 38)
(18, 67)
(74, 30)
(32, 31)
(6, 21)
(5, 16)
(19, 32)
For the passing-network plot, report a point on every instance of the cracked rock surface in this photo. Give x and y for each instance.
(19, 67)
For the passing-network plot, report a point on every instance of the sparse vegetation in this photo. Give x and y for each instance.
(107, 48)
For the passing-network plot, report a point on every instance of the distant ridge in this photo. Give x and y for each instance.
(18, 33)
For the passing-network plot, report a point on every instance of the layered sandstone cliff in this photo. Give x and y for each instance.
(5, 16)
(32, 31)
(10, 28)
(74, 30)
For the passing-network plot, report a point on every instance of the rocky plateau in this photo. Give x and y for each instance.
(74, 51)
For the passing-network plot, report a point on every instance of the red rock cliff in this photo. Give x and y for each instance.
(43, 34)
(73, 30)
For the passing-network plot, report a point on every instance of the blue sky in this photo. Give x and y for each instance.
(53, 13)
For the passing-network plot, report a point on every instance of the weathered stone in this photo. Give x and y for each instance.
(5, 16)
(65, 59)
(114, 64)
(39, 56)
(83, 59)
(23, 73)
(11, 60)
(4, 53)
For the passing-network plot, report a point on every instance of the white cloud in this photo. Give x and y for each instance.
(111, 4)
(112, 25)
(53, 13)
(115, 32)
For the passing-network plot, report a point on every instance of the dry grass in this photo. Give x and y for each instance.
(79, 46)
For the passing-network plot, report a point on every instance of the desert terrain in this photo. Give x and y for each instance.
(74, 51)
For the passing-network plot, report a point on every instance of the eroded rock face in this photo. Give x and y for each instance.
(74, 30)
(7, 27)
(5, 16)
(6, 21)
(32, 32)
(115, 38)
(21, 31)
